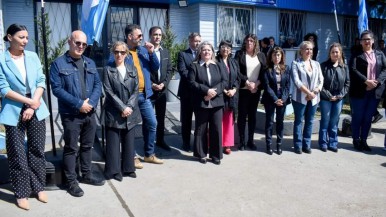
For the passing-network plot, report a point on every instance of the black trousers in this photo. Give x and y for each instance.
(119, 151)
(247, 108)
(27, 165)
(212, 118)
(160, 111)
(80, 128)
(186, 117)
(269, 113)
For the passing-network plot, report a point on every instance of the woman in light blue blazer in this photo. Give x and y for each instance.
(23, 111)
(308, 82)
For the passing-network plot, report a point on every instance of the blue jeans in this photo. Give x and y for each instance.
(362, 111)
(149, 124)
(328, 131)
(302, 138)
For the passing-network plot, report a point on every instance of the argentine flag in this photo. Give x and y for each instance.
(362, 17)
(93, 17)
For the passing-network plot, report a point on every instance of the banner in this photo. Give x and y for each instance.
(93, 17)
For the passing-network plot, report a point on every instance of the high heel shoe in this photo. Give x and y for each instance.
(22, 203)
(278, 149)
(42, 197)
(269, 149)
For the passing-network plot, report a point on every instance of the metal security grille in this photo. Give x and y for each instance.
(151, 17)
(119, 18)
(59, 16)
(291, 23)
(350, 30)
(233, 24)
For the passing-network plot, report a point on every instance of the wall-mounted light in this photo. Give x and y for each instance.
(183, 3)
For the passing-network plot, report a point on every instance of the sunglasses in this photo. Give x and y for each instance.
(116, 52)
(138, 36)
(78, 43)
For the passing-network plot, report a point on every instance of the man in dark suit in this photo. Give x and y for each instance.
(160, 80)
(185, 58)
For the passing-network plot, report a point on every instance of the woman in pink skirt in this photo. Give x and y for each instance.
(224, 57)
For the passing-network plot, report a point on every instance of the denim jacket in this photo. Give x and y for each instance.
(64, 79)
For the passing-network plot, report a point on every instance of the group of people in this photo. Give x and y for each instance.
(219, 89)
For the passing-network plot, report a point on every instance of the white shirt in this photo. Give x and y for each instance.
(253, 68)
(19, 62)
(122, 71)
(158, 54)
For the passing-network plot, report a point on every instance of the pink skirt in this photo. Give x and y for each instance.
(228, 134)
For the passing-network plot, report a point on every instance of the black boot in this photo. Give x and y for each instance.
(242, 144)
(269, 149)
(365, 146)
(278, 149)
(357, 144)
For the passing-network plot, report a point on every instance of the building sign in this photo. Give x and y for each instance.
(250, 2)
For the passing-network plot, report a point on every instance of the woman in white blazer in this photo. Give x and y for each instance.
(308, 81)
(22, 84)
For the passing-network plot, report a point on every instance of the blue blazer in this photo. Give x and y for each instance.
(10, 79)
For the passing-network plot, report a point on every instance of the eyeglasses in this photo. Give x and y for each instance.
(225, 47)
(138, 36)
(116, 52)
(78, 43)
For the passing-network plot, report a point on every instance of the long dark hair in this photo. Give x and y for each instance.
(270, 63)
(254, 37)
(341, 59)
(13, 29)
(224, 42)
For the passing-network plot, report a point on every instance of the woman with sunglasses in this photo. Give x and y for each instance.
(224, 58)
(367, 73)
(22, 84)
(120, 113)
(277, 82)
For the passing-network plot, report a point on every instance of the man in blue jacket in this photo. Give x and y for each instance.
(75, 82)
(145, 61)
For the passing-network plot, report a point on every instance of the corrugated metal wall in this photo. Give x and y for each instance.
(266, 23)
(207, 20)
(20, 11)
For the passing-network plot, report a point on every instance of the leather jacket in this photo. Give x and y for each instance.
(336, 80)
(120, 94)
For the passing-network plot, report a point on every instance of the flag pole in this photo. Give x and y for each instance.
(336, 22)
(48, 88)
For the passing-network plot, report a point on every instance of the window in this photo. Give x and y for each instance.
(233, 24)
(291, 23)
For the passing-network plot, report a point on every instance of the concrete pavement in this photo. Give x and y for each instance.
(247, 183)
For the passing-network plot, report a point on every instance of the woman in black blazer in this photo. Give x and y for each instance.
(207, 80)
(120, 114)
(224, 58)
(367, 73)
(252, 64)
(277, 85)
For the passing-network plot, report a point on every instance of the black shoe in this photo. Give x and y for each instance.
(74, 190)
(376, 118)
(357, 144)
(130, 174)
(324, 149)
(269, 149)
(365, 146)
(163, 145)
(203, 160)
(307, 150)
(252, 146)
(241, 147)
(186, 148)
(333, 149)
(216, 161)
(298, 151)
(92, 181)
(278, 149)
(118, 177)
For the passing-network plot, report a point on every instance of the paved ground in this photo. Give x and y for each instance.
(248, 183)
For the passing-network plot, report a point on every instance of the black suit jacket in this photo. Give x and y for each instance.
(185, 58)
(233, 82)
(358, 73)
(240, 57)
(199, 84)
(270, 94)
(165, 70)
